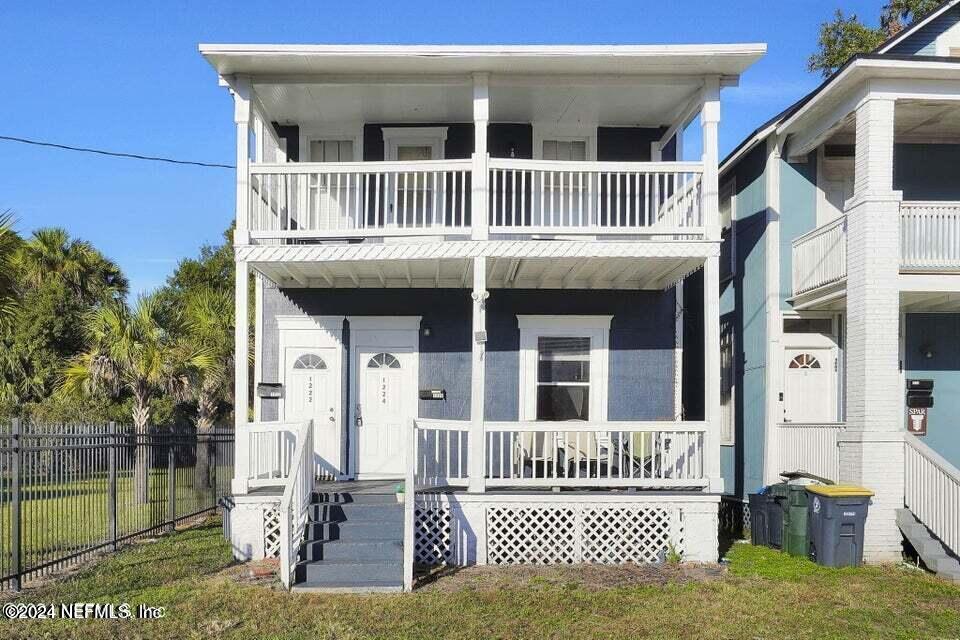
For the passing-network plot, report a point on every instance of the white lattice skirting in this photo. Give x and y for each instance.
(450, 531)
(271, 533)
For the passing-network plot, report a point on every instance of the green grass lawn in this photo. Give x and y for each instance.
(763, 595)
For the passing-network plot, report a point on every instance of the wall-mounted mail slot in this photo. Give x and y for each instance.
(270, 390)
(433, 394)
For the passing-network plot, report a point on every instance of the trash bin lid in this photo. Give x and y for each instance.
(839, 490)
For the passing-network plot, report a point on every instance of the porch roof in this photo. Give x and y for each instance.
(686, 59)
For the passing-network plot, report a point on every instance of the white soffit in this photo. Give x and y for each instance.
(713, 59)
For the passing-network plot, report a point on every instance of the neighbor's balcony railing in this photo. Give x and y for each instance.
(929, 241)
(930, 236)
(434, 197)
(820, 256)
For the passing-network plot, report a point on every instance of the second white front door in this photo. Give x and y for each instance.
(809, 390)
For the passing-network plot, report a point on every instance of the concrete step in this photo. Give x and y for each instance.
(346, 497)
(337, 573)
(348, 549)
(935, 555)
(356, 586)
(356, 512)
(355, 530)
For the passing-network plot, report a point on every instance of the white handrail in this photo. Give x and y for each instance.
(931, 491)
(820, 256)
(295, 503)
(409, 497)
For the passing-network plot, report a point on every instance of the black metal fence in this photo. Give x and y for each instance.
(68, 491)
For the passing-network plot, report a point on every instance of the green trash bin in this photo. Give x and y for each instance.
(792, 499)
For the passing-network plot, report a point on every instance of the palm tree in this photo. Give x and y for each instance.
(130, 351)
(9, 244)
(51, 253)
(208, 340)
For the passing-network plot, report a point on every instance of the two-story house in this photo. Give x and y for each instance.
(842, 228)
(483, 275)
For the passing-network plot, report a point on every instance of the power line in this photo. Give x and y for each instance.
(116, 154)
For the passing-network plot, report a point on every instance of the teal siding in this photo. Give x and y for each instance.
(798, 215)
(743, 463)
(927, 171)
(924, 41)
(939, 331)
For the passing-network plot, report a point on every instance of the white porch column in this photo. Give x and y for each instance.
(710, 123)
(240, 378)
(476, 459)
(711, 364)
(480, 174)
(241, 115)
(871, 452)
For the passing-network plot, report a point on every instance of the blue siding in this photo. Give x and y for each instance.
(798, 215)
(940, 331)
(743, 467)
(641, 342)
(924, 41)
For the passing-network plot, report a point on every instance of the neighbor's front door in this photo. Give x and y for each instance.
(386, 400)
(809, 386)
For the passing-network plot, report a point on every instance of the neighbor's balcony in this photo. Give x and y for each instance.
(929, 242)
(311, 202)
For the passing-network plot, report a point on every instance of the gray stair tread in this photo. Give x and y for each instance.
(392, 564)
(355, 586)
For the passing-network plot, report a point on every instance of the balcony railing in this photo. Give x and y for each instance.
(930, 236)
(820, 257)
(929, 242)
(434, 197)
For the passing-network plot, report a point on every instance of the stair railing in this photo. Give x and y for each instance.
(409, 497)
(295, 503)
(931, 491)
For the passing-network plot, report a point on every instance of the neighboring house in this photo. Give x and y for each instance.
(842, 230)
(479, 270)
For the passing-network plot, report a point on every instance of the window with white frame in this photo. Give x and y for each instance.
(563, 372)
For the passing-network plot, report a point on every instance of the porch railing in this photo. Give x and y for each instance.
(317, 200)
(810, 447)
(295, 503)
(266, 452)
(930, 236)
(539, 196)
(932, 490)
(820, 256)
(441, 451)
(595, 454)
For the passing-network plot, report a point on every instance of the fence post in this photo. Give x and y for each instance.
(16, 542)
(112, 485)
(212, 447)
(171, 487)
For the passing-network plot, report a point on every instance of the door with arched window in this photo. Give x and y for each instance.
(310, 393)
(384, 406)
(809, 386)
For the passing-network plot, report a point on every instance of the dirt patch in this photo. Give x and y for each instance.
(587, 576)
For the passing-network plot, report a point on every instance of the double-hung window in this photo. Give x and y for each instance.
(563, 378)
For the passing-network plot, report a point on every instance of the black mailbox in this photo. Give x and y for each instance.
(270, 390)
(919, 394)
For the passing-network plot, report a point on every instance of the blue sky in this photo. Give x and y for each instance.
(127, 76)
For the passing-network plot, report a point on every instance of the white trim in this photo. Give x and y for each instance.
(433, 137)
(384, 323)
(257, 344)
(327, 131)
(597, 328)
(586, 133)
(773, 375)
(333, 324)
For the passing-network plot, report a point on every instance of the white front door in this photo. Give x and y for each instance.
(310, 368)
(383, 392)
(386, 401)
(809, 393)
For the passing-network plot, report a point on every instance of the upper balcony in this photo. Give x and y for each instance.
(370, 144)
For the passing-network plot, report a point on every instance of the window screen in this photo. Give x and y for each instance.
(563, 378)
(569, 150)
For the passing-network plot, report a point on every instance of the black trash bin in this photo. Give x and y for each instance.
(759, 527)
(836, 515)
